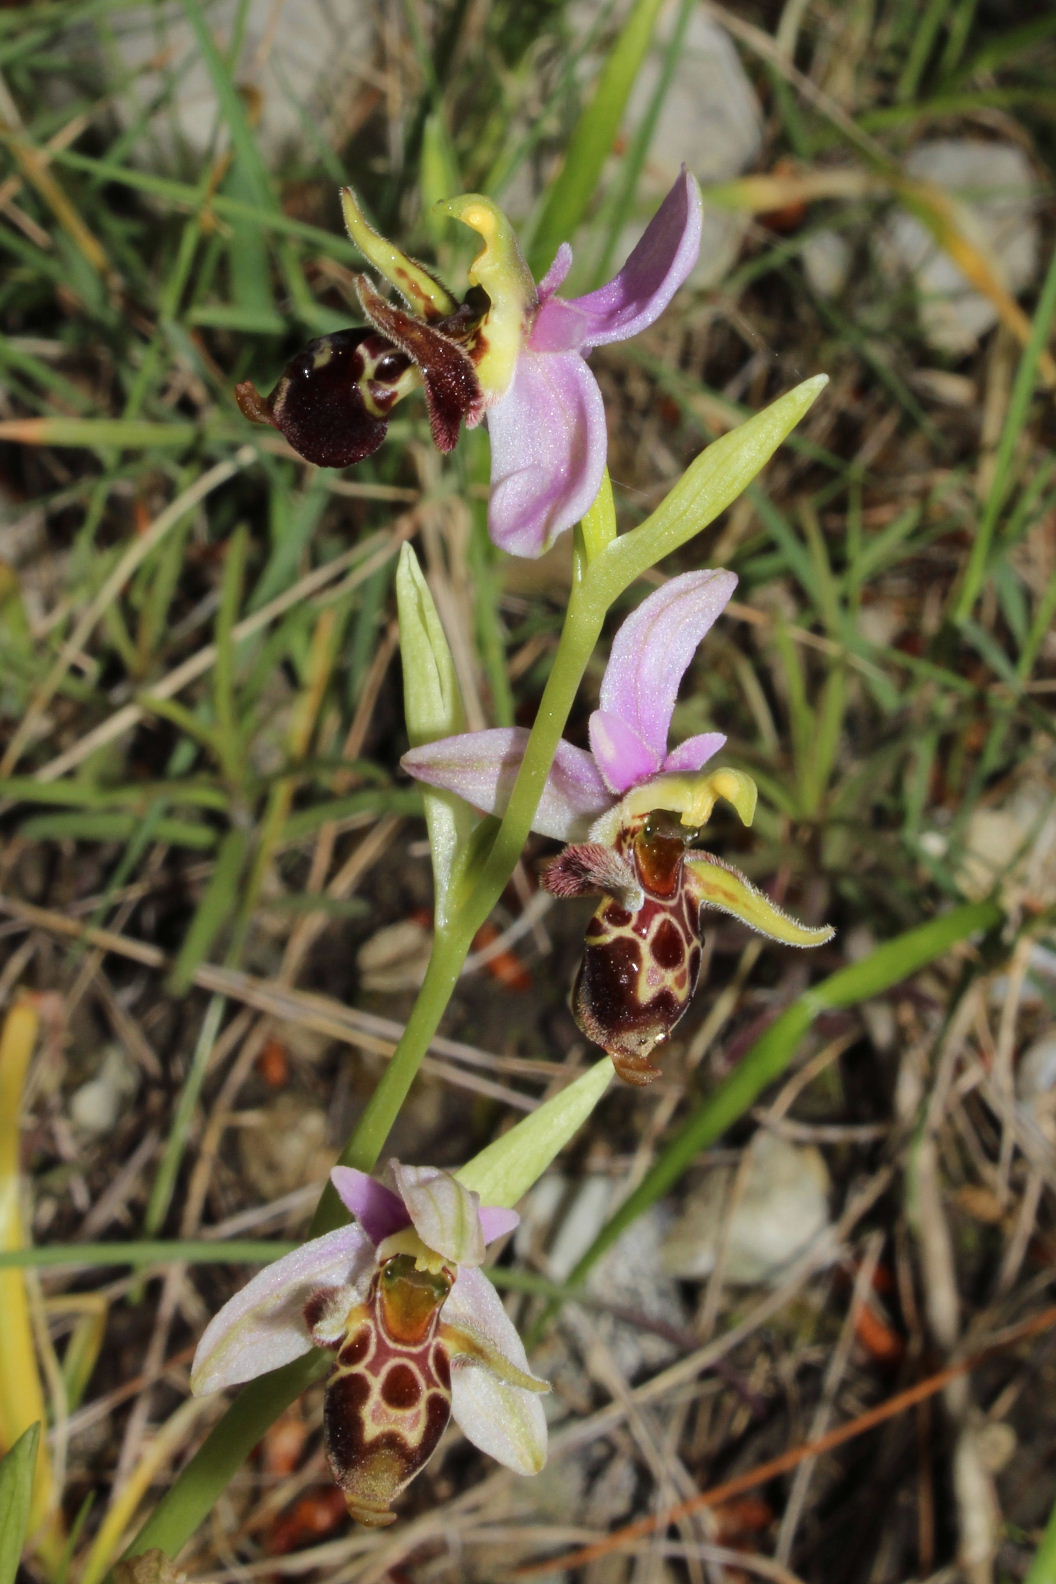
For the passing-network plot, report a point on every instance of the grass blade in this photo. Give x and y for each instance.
(21, 1391)
(595, 133)
(772, 1054)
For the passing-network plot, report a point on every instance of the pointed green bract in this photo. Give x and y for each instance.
(433, 707)
(504, 1171)
(711, 483)
(719, 885)
(16, 1495)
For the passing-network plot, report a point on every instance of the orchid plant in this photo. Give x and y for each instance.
(396, 1300)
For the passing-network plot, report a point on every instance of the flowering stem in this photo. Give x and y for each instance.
(483, 882)
(230, 1442)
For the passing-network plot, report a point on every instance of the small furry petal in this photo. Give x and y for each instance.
(555, 275)
(496, 1221)
(587, 868)
(694, 753)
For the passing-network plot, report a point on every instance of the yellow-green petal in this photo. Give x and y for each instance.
(421, 291)
(498, 269)
(719, 885)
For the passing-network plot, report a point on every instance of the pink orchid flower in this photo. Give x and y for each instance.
(628, 733)
(419, 1334)
(632, 810)
(511, 352)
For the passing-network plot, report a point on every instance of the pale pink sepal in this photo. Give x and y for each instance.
(446, 1216)
(548, 443)
(482, 767)
(504, 1421)
(653, 648)
(262, 1326)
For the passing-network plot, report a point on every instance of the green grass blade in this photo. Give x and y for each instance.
(189, 1251)
(1043, 1567)
(594, 135)
(168, 1170)
(16, 1494)
(772, 1054)
(132, 434)
(217, 907)
(1004, 467)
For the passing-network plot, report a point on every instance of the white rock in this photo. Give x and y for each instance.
(827, 257)
(995, 195)
(286, 1147)
(97, 1104)
(1036, 1071)
(709, 119)
(395, 958)
(781, 1211)
(300, 62)
(1013, 846)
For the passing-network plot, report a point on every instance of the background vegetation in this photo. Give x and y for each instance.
(205, 828)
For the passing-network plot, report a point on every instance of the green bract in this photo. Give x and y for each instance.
(432, 704)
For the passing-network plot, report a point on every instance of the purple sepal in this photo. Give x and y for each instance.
(640, 292)
(548, 443)
(652, 649)
(379, 1211)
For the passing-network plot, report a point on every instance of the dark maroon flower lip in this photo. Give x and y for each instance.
(333, 398)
